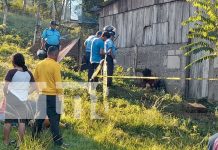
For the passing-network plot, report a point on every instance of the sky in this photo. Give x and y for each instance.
(75, 11)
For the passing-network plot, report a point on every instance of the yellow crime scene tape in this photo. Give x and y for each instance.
(103, 66)
(157, 78)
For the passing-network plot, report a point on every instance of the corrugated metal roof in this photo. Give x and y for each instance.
(109, 2)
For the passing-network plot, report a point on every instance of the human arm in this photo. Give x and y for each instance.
(5, 88)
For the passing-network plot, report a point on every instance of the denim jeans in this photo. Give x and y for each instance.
(48, 105)
(110, 69)
(92, 68)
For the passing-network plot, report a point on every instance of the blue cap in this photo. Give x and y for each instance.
(53, 22)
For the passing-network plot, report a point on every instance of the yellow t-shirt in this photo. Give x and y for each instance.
(48, 75)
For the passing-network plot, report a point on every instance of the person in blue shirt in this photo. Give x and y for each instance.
(88, 44)
(110, 53)
(97, 52)
(51, 36)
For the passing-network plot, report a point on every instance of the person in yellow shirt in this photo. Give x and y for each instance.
(48, 72)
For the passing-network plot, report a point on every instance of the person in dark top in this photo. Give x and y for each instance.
(19, 82)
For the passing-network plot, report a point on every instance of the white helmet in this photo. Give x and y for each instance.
(109, 28)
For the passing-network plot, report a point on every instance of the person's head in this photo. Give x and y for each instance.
(105, 36)
(99, 34)
(112, 35)
(53, 52)
(53, 24)
(19, 61)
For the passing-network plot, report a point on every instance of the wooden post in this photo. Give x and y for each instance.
(24, 6)
(105, 79)
(37, 25)
(135, 61)
(80, 52)
(187, 73)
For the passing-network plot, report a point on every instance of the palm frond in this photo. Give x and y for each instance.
(199, 49)
(200, 60)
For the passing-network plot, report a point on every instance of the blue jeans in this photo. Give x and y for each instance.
(88, 59)
(110, 69)
(48, 105)
(92, 68)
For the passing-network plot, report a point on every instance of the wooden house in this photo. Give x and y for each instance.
(150, 36)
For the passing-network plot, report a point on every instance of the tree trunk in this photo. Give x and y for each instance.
(24, 6)
(53, 10)
(37, 25)
(5, 7)
(64, 3)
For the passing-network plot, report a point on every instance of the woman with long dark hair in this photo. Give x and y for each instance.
(19, 82)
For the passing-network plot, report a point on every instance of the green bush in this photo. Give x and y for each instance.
(12, 39)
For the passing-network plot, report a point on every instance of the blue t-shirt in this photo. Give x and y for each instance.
(97, 45)
(88, 43)
(109, 44)
(51, 36)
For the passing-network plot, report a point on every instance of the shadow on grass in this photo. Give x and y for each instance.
(77, 141)
(164, 135)
(131, 94)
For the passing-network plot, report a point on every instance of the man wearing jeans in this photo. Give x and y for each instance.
(110, 52)
(48, 71)
(97, 53)
(88, 44)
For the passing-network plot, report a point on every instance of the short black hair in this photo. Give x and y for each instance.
(52, 50)
(106, 34)
(99, 33)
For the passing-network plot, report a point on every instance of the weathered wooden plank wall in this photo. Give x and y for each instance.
(152, 23)
(121, 6)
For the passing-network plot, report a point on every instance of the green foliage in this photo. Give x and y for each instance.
(15, 39)
(69, 62)
(2, 29)
(204, 33)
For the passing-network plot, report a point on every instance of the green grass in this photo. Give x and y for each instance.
(137, 119)
(22, 25)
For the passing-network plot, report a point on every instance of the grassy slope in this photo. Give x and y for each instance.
(134, 120)
(22, 25)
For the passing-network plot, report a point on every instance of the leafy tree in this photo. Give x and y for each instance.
(204, 33)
